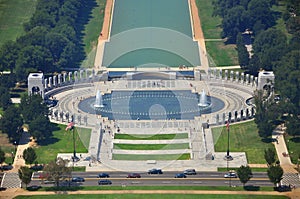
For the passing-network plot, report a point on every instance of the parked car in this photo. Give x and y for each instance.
(77, 179)
(155, 171)
(37, 167)
(103, 175)
(230, 175)
(6, 167)
(180, 175)
(283, 188)
(104, 182)
(190, 172)
(34, 188)
(133, 175)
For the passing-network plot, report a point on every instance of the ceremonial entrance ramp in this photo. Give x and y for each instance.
(151, 34)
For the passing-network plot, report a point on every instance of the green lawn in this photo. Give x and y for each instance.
(293, 145)
(151, 137)
(210, 25)
(61, 142)
(92, 32)
(243, 138)
(150, 196)
(221, 54)
(13, 14)
(151, 146)
(185, 156)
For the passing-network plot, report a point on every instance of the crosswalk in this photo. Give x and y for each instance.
(11, 180)
(291, 179)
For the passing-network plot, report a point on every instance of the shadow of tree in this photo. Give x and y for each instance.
(251, 188)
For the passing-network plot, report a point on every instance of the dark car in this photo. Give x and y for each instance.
(77, 179)
(190, 172)
(103, 175)
(6, 167)
(155, 171)
(34, 188)
(283, 188)
(133, 175)
(104, 182)
(180, 175)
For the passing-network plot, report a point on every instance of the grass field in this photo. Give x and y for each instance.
(151, 146)
(13, 14)
(221, 54)
(92, 32)
(185, 156)
(293, 145)
(243, 137)
(210, 25)
(61, 142)
(150, 196)
(151, 137)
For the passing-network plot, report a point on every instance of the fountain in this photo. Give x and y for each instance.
(98, 101)
(203, 100)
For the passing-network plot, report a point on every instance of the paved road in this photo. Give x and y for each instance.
(167, 178)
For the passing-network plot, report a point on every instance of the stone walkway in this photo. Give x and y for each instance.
(290, 175)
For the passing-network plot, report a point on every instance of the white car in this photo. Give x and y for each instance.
(230, 175)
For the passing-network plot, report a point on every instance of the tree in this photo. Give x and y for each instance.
(25, 175)
(11, 122)
(40, 128)
(275, 173)
(270, 46)
(29, 155)
(2, 156)
(5, 100)
(32, 107)
(244, 173)
(243, 54)
(270, 156)
(8, 55)
(57, 170)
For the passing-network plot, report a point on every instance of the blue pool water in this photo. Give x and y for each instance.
(151, 105)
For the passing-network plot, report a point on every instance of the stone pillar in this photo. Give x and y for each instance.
(208, 73)
(256, 81)
(251, 79)
(229, 116)
(70, 76)
(226, 74)
(252, 112)
(221, 74)
(46, 83)
(76, 76)
(55, 81)
(50, 82)
(217, 119)
(247, 113)
(85, 120)
(56, 115)
(81, 74)
(237, 76)
(64, 77)
(61, 115)
(242, 78)
(231, 75)
(59, 79)
(235, 116)
(215, 73)
(242, 114)
(224, 118)
(247, 78)
(79, 119)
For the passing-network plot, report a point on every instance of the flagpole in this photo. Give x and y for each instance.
(74, 152)
(228, 157)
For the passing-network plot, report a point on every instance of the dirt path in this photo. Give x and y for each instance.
(106, 21)
(198, 35)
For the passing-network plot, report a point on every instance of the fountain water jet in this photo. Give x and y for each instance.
(98, 101)
(203, 99)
